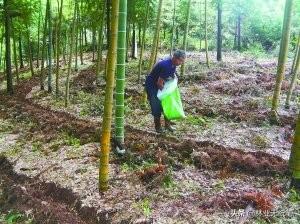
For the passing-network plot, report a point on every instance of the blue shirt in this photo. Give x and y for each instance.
(163, 69)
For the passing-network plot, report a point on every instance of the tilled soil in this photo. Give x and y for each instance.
(54, 204)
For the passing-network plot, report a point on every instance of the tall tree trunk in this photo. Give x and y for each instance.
(134, 43)
(108, 5)
(108, 103)
(282, 57)
(294, 161)
(127, 40)
(77, 39)
(94, 42)
(155, 37)
(173, 27)
(72, 37)
(44, 49)
(154, 46)
(219, 35)
(65, 48)
(20, 51)
(58, 46)
(120, 79)
(30, 54)
(81, 34)
(15, 54)
(239, 33)
(49, 48)
(295, 72)
(7, 23)
(186, 31)
(206, 44)
(296, 53)
(143, 41)
(235, 36)
(1, 49)
(38, 41)
(100, 43)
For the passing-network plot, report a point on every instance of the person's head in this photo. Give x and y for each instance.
(178, 57)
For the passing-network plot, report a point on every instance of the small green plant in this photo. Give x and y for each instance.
(260, 141)
(37, 146)
(219, 185)
(294, 196)
(14, 217)
(145, 206)
(168, 181)
(198, 120)
(71, 140)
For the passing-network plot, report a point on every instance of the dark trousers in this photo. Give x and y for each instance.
(155, 104)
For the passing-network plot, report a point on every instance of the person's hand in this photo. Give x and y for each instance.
(160, 83)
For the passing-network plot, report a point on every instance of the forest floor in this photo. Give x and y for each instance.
(224, 163)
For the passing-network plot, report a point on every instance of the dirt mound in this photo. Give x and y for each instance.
(47, 202)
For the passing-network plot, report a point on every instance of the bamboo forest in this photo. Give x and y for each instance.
(149, 111)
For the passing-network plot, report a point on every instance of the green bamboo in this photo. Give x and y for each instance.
(206, 44)
(108, 102)
(73, 29)
(49, 48)
(120, 80)
(155, 37)
(295, 73)
(100, 43)
(294, 161)
(15, 54)
(282, 57)
(57, 36)
(186, 30)
(43, 50)
(143, 41)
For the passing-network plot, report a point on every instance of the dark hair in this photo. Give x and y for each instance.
(179, 54)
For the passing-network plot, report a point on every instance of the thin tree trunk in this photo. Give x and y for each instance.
(282, 57)
(72, 37)
(155, 37)
(76, 40)
(30, 55)
(7, 21)
(239, 33)
(38, 41)
(81, 34)
(108, 4)
(185, 37)
(15, 54)
(108, 103)
(44, 50)
(173, 27)
(296, 53)
(206, 44)
(235, 36)
(100, 43)
(219, 35)
(127, 40)
(295, 73)
(94, 42)
(21, 52)
(134, 43)
(154, 46)
(1, 49)
(58, 46)
(49, 48)
(143, 41)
